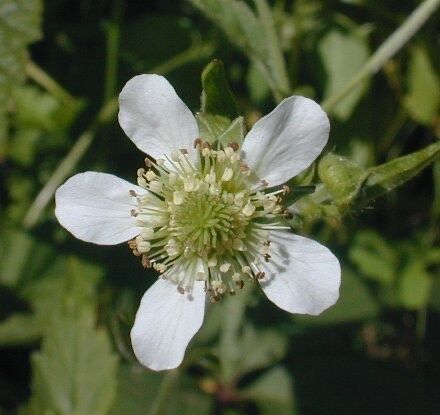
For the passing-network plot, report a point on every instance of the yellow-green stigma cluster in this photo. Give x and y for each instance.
(204, 218)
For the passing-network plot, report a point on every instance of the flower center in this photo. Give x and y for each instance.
(204, 218)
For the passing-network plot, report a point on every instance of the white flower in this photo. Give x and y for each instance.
(202, 216)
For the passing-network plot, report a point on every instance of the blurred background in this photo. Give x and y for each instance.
(66, 307)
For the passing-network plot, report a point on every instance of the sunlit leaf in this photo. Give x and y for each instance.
(19, 25)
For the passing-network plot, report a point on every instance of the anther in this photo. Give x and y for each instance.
(267, 257)
(287, 215)
(198, 143)
(234, 146)
(133, 213)
(264, 183)
(244, 167)
(260, 275)
(240, 284)
(286, 190)
(181, 290)
(132, 193)
(145, 261)
(183, 151)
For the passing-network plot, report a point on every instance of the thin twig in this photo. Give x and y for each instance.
(386, 51)
(40, 77)
(66, 166)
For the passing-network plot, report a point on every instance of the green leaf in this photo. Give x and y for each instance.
(254, 35)
(343, 51)
(75, 371)
(374, 257)
(18, 329)
(423, 96)
(273, 392)
(217, 97)
(275, 57)
(415, 286)
(19, 25)
(138, 390)
(257, 85)
(386, 177)
(342, 178)
(239, 23)
(271, 348)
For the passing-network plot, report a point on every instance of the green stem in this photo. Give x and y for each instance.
(168, 381)
(195, 52)
(112, 31)
(421, 320)
(386, 51)
(34, 72)
(106, 114)
(111, 70)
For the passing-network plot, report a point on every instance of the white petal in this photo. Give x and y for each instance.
(302, 276)
(154, 117)
(165, 323)
(96, 207)
(287, 140)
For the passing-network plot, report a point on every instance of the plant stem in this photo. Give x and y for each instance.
(168, 381)
(112, 32)
(386, 51)
(34, 72)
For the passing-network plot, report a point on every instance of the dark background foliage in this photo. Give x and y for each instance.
(66, 307)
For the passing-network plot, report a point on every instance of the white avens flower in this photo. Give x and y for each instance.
(202, 216)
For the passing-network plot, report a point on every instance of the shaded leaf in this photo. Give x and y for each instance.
(139, 389)
(75, 370)
(415, 286)
(19, 328)
(423, 96)
(217, 97)
(273, 392)
(374, 257)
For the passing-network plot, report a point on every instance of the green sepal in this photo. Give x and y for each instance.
(216, 128)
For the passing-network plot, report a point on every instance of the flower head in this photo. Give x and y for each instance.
(203, 215)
